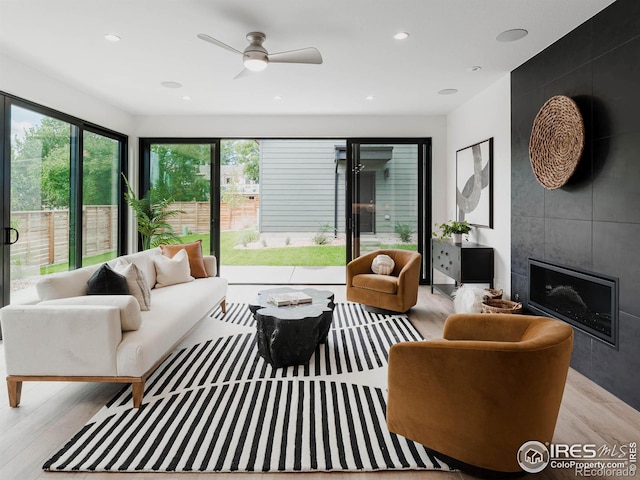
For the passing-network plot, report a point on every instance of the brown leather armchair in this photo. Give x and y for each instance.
(397, 292)
(494, 382)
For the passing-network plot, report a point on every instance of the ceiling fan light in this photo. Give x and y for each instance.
(255, 64)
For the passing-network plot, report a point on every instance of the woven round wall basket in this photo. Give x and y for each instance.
(557, 141)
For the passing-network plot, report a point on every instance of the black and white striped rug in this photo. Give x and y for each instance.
(217, 405)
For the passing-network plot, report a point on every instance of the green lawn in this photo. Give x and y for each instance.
(63, 267)
(321, 255)
(312, 256)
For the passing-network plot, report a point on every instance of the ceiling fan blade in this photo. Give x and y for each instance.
(245, 72)
(209, 39)
(303, 55)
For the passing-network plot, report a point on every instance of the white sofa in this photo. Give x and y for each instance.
(55, 341)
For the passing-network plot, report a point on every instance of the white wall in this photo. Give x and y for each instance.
(486, 115)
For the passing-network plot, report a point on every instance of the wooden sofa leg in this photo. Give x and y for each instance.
(138, 392)
(15, 390)
(223, 305)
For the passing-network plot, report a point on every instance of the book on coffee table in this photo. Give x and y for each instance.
(292, 298)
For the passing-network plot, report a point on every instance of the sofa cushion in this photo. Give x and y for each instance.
(378, 283)
(136, 282)
(176, 309)
(144, 262)
(105, 281)
(64, 284)
(194, 252)
(210, 265)
(171, 271)
(130, 318)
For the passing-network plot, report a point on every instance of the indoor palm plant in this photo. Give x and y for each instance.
(152, 216)
(453, 229)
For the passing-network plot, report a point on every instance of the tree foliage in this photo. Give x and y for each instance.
(41, 172)
(181, 171)
(245, 153)
(41, 167)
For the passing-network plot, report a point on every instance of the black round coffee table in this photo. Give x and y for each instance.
(289, 335)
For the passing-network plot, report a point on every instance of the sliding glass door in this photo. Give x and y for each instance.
(388, 195)
(292, 210)
(62, 206)
(40, 195)
(100, 197)
(182, 170)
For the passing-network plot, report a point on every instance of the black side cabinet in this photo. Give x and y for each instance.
(464, 262)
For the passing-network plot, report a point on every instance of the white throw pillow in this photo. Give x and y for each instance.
(170, 271)
(382, 265)
(130, 318)
(136, 282)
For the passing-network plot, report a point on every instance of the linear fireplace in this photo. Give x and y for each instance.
(586, 300)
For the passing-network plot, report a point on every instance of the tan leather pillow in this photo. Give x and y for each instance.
(194, 252)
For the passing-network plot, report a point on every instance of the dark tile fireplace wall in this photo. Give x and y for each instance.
(593, 222)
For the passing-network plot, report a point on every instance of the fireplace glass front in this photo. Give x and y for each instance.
(586, 300)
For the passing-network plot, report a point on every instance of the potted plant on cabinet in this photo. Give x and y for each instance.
(453, 229)
(152, 217)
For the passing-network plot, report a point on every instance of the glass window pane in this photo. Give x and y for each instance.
(100, 194)
(40, 167)
(182, 173)
(282, 205)
(385, 205)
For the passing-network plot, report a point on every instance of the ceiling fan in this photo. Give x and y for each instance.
(256, 58)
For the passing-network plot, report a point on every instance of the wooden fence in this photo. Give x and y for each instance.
(198, 214)
(44, 235)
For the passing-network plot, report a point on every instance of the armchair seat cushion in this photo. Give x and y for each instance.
(377, 283)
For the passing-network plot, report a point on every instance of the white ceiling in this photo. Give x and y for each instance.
(64, 38)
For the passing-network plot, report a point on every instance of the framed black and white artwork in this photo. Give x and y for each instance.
(474, 189)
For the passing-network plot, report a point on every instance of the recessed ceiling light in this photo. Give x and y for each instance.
(186, 97)
(448, 91)
(111, 37)
(369, 97)
(401, 35)
(475, 68)
(171, 84)
(512, 35)
(277, 98)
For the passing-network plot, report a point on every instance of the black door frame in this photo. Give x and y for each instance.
(78, 127)
(144, 182)
(424, 195)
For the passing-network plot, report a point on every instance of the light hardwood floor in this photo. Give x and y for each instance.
(51, 413)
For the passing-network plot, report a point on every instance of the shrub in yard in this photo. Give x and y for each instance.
(250, 236)
(322, 237)
(405, 231)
